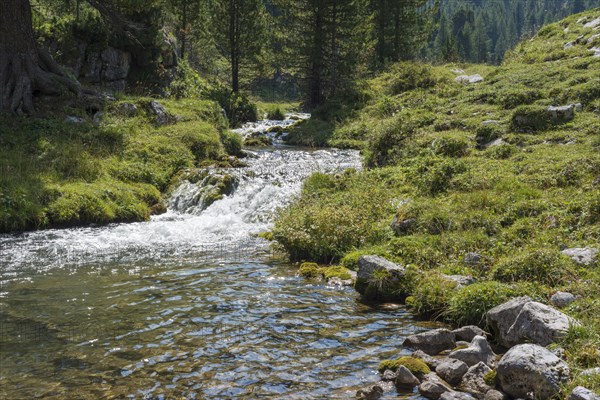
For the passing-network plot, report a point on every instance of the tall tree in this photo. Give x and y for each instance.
(24, 67)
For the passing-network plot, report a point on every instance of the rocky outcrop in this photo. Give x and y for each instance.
(109, 67)
(582, 255)
(522, 320)
(159, 112)
(432, 362)
(478, 351)
(431, 342)
(405, 378)
(531, 371)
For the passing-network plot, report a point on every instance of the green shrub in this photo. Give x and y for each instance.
(237, 106)
(530, 118)
(275, 114)
(501, 152)
(186, 83)
(387, 140)
(310, 270)
(431, 294)
(450, 146)
(468, 305)
(413, 364)
(434, 175)
(540, 265)
(515, 97)
(408, 76)
(232, 142)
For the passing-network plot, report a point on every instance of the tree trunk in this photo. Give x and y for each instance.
(24, 68)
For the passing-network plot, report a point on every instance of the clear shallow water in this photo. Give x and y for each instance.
(187, 305)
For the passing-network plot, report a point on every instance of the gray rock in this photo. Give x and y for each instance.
(561, 113)
(432, 362)
(98, 117)
(472, 258)
(389, 375)
(405, 378)
(579, 106)
(495, 395)
(568, 45)
(372, 392)
(335, 281)
(128, 109)
(469, 78)
(592, 24)
(473, 382)
(71, 119)
(368, 265)
(456, 396)
(582, 255)
(161, 116)
(531, 371)
(596, 51)
(461, 280)
(403, 227)
(452, 370)
(502, 317)
(478, 351)
(467, 333)
(591, 371)
(562, 299)
(581, 393)
(490, 122)
(537, 323)
(495, 142)
(433, 387)
(431, 342)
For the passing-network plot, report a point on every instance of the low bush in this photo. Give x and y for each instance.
(431, 295)
(468, 305)
(540, 265)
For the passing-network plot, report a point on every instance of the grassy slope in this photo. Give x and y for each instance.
(516, 204)
(56, 173)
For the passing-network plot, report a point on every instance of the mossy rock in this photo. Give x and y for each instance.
(257, 141)
(337, 272)
(414, 365)
(310, 270)
(275, 129)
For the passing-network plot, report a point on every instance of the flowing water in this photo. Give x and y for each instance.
(190, 304)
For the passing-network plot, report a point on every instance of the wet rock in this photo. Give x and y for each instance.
(370, 265)
(495, 395)
(582, 255)
(561, 113)
(452, 370)
(372, 392)
(478, 351)
(473, 381)
(433, 387)
(529, 370)
(562, 299)
(431, 342)
(336, 281)
(456, 396)
(403, 227)
(432, 362)
(469, 78)
(472, 258)
(467, 333)
(161, 116)
(537, 323)
(388, 375)
(405, 378)
(581, 393)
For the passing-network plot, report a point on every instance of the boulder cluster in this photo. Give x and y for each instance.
(463, 364)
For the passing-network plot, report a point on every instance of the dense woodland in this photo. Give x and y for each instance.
(285, 48)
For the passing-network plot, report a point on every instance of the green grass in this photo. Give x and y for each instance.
(517, 204)
(56, 173)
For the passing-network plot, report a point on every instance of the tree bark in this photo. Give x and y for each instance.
(24, 68)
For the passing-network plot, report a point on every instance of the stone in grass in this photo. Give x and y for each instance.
(370, 265)
(478, 351)
(469, 78)
(431, 342)
(467, 333)
(561, 113)
(582, 255)
(474, 380)
(581, 393)
(529, 370)
(562, 299)
(433, 387)
(372, 392)
(405, 378)
(451, 370)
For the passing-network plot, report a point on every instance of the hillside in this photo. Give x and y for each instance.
(477, 179)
